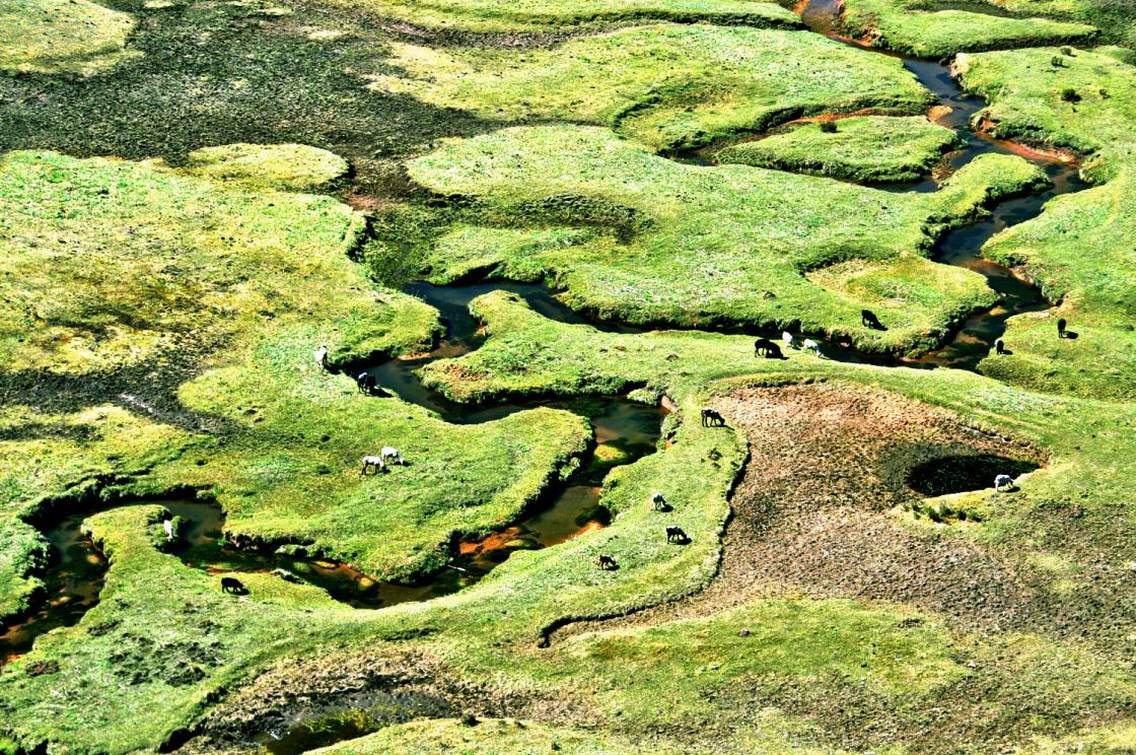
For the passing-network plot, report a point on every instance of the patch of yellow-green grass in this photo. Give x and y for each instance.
(867, 149)
(269, 272)
(666, 85)
(108, 264)
(1080, 249)
(1085, 100)
(728, 245)
(494, 736)
(62, 36)
(291, 167)
(919, 28)
(161, 636)
(536, 16)
(1116, 20)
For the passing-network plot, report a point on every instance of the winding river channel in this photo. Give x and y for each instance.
(76, 576)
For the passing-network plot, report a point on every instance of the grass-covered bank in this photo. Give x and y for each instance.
(722, 246)
(54, 36)
(938, 30)
(636, 80)
(865, 149)
(1079, 249)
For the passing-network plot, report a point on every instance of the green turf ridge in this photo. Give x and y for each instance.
(63, 37)
(527, 16)
(158, 260)
(868, 149)
(1079, 250)
(1115, 20)
(721, 246)
(669, 86)
(291, 167)
(919, 28)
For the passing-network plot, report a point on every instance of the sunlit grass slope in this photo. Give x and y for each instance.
(926, 30)
(865, 149)
(728, 245)
(62, 36)
(1080, 249)
(666, 85)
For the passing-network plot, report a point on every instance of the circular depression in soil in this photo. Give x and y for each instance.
(962, 474)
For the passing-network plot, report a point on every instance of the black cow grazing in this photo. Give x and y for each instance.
(233, 586)
(763, 347)
(1000, 346)
(869, 320)
(366, 383)
(677, 535)
(1061, 327)
(659, 502)
(712, 418)
(607, 563)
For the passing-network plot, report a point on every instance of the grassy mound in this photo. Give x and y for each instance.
(728, 245)
(197, 304)
(870, 149)
(291, 167)
(1115, 20)
(1079, 250)
(668, 86)
(917, 28)
(502, 16)
(62, 36)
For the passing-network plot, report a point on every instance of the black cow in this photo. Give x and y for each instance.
(763, 347)
(677, 535)
(365, 381)
(712, 418)
(607, 563)
(1061, 327)
(1000, 346)
(869, 320)
(233, 586)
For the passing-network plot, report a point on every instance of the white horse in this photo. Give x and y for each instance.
(321, 357)
(813, 346)
(789, 339)
(1003, 481)
(373, 462)
(393, 455)
(168, 526)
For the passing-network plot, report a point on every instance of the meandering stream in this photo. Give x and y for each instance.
(76, 577)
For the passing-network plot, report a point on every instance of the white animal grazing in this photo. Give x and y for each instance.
(1003, 481)
(168, 526)
(393, 455)
(375, 462)
(321, 357)
(813, 346)
(789, 340)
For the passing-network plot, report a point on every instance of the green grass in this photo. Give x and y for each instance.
(918, 28)
(1115, 20)
(294, 167)
(729, 245)
(668, 86)
(1079, 250)
(869, 149)
(162, 268)
(489, 737)
(501, 16)
(62, 36)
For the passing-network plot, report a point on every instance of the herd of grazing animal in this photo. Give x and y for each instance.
(674, 534)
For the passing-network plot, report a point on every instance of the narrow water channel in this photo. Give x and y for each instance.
(962, 247)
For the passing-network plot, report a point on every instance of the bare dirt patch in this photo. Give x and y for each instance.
(827, 462)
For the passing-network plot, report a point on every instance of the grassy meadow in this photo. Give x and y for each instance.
(196, 195)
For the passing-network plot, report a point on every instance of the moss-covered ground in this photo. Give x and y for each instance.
(60, 36)
(865, 149)
(926, 30)
(195, 196)
(668, 86)
(1080, 249)
(728, 245)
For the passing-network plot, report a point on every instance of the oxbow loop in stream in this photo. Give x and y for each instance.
(77, 574)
